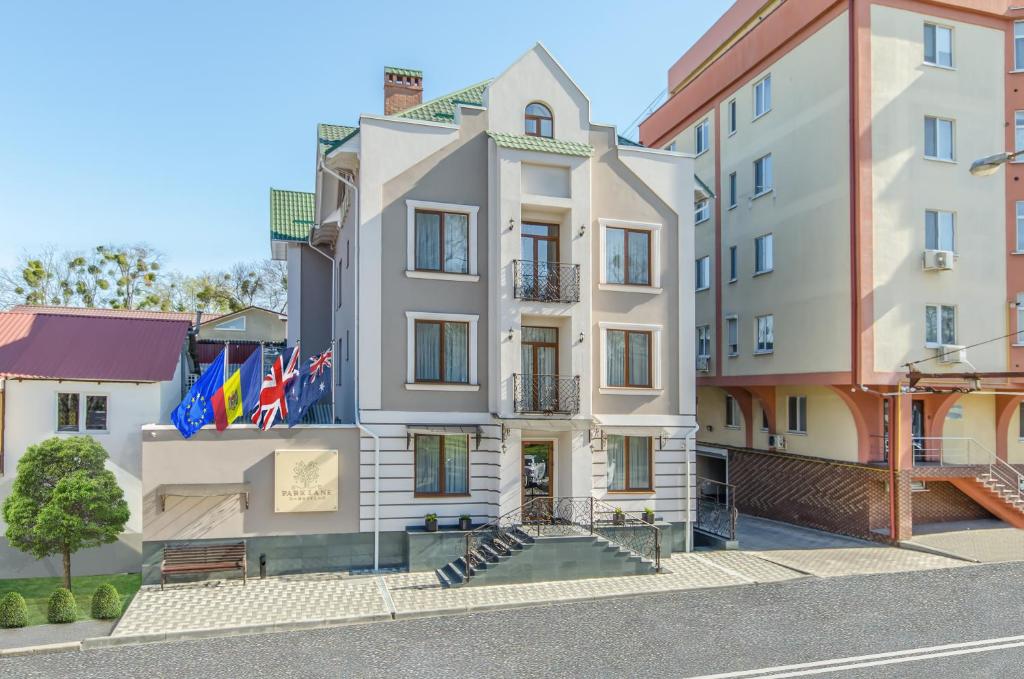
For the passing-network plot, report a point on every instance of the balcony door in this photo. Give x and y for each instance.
(540, 369)
(540, 261)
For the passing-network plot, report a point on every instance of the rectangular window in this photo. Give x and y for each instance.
(732, 116)
(95, 413)
(1018, 45)
(939, 324)
(763, 97)
(733, 263)
(938, 45)
(798, 414)
(627, 256)
(442, 241)
(702, 211)
(732, 189)
(629, 358)
(442, 465)
(939, 230)
(629, 463)
(1018, 131)
(732, 415)
(763, 175)
(765, 334)
(938, 138)
(1020, 226)
(704, 341)
(701, 137)
(1020, 318)
(764, 254)
(732, 332)
(703, 273)
(442, 352)
(1020, 417)
(67, 412)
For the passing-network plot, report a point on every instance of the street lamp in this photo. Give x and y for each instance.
(988, 165)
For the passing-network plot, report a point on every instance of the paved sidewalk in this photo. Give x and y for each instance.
(989, 541)
(38, 635)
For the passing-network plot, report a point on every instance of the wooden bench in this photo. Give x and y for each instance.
(200, 558)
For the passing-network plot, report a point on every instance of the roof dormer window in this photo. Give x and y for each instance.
(539, 122)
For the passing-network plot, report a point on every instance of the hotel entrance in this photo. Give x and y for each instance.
(538, 475)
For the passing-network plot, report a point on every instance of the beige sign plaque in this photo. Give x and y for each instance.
(305, 480)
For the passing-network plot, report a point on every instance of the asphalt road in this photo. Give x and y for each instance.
(691, 634)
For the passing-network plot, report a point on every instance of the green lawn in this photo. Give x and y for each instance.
(37, 592)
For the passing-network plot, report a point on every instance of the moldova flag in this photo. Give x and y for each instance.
(240, 393)
(197, 410)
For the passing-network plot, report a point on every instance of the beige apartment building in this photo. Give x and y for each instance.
(857, 316)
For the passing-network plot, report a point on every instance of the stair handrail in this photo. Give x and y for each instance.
(997, 467)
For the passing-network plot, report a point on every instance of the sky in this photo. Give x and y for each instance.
(168, 122)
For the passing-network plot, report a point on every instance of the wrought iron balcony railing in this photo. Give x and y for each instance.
(548, 394)
(547, 281)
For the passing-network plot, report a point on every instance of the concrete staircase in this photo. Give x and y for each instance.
(997, 493)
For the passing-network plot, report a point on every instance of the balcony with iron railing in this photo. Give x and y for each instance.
(546, 281)
(546, 394)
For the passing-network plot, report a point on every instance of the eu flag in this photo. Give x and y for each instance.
(197, 409)
(312, 383)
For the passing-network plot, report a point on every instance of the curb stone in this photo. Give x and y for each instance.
(41, 649)
(935, 551)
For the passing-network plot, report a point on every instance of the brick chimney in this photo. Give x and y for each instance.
(403, 89)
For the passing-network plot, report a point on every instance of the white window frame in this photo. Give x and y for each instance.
(704, 338)
(761, 87)
(938, 340)
(83, 428)
(702, 211)
(410, 351)
(732, 412)
(702, 273)
(734, 263)
(938, 229)
(734, 190)
(801, 419)
(764, 245)
(1018, 45)
(227, 325)
(1019, 206)
(1018, 133)
(936, 28)
(769, 186)
(732, 330)
(758, 350)
(702, 137)
(1019, 340)
(952, 138)
(733, 116)
(655, 264)
(410, 240)
(656, 339)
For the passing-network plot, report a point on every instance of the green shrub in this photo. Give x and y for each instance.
(62, 607)
(106, 603)
(13, 611)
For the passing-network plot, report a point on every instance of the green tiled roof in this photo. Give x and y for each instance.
(291, 214)
(412, 73)
(442, 109)
(524, 143)
(330, 137)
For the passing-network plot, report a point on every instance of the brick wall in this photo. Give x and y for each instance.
(942, 502)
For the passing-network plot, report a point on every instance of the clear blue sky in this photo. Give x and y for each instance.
(167, 122)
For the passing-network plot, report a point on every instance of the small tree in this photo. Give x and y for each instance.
(63, 499)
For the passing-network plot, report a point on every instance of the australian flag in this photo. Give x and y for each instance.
(312, 384)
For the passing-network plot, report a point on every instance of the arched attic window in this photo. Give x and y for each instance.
(539, 122)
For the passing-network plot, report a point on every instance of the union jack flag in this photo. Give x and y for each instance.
(317, 364)
(273, 404)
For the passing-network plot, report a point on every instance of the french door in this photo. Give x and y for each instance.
(540, 369)
(540, 261)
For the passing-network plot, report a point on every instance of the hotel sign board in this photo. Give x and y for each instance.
(305, 481)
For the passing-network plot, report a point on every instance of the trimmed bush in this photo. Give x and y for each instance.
(13, 611)
(106, 603)
(62, 607)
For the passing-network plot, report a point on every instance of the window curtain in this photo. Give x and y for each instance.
(456, 243)
(428, 352)
(428, 464)
(616, 368)
(639, 462)
(639, 273)
(428, 241)
(615, 255)
(456, 352)
(456, 465)
(616, 463)
(639, 359)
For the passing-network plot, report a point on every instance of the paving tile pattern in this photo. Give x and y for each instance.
(827, 563)
(986, 544)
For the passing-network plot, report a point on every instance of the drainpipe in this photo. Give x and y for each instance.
(355, 381)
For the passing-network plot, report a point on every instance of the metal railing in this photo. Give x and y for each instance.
(716, 508)
(965, 451)
(546, 281)
(548, 394)
(563, 516)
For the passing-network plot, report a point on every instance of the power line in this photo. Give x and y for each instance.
(959, 349)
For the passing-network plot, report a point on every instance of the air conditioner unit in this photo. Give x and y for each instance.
(951, 354)
(938, 260)
(703, 364)
(777, 441)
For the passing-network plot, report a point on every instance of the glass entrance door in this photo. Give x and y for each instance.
(540, 369)
(538, 479)
(540, 259)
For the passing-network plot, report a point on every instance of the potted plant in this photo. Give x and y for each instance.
(619, 517)
(648, 515)
(431, 522)
(465, 522)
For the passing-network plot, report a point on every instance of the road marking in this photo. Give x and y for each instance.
(874, 659)
(724, 569)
